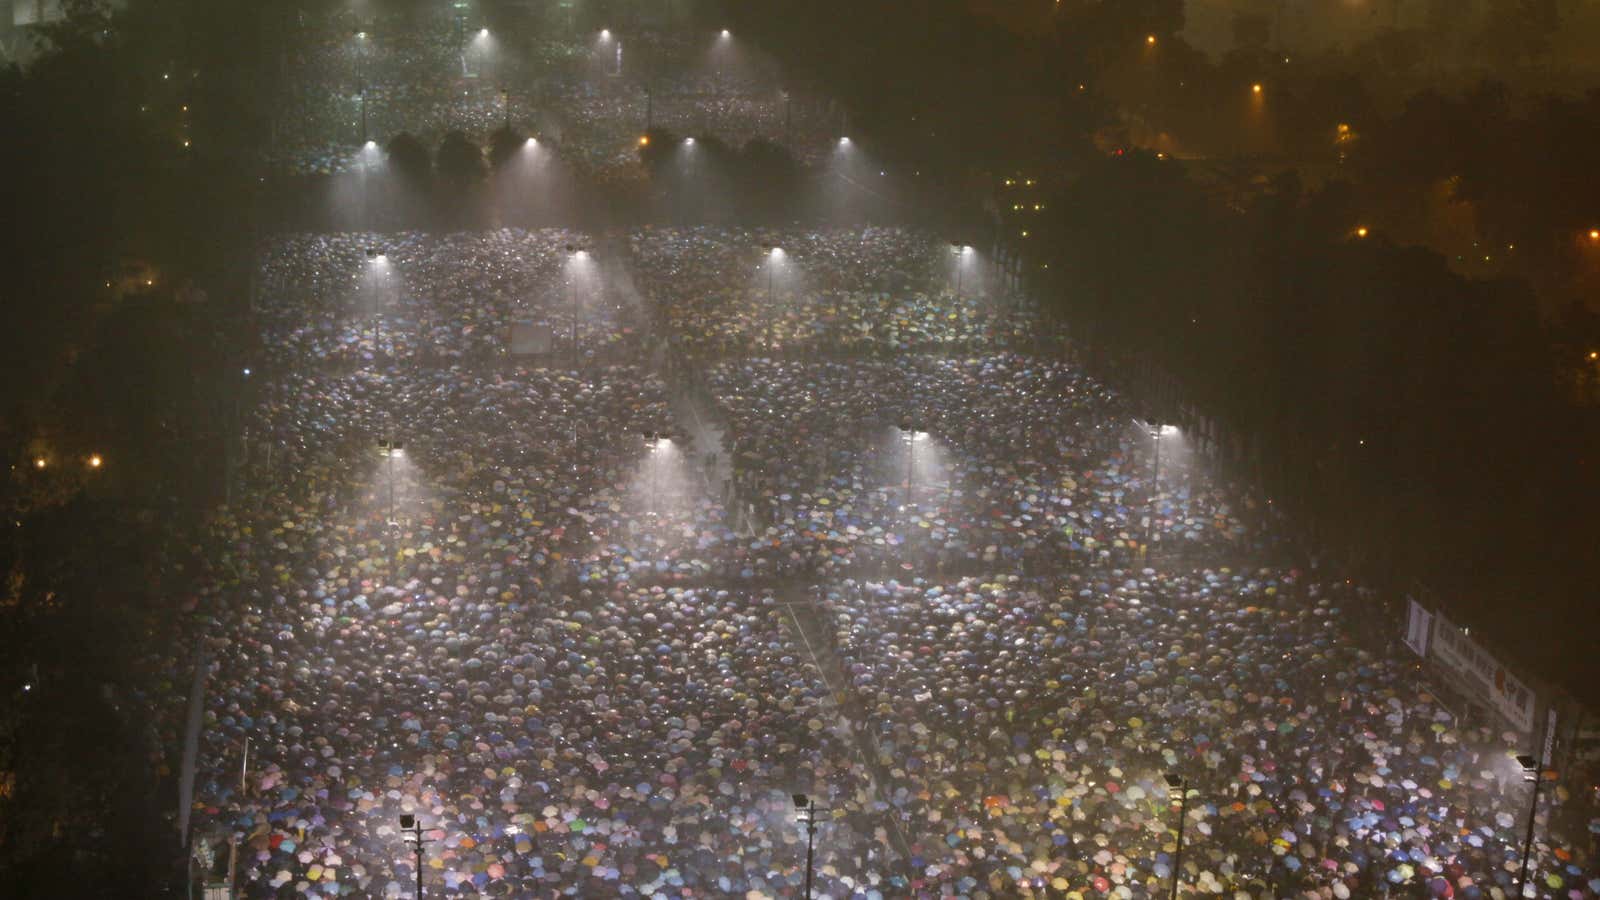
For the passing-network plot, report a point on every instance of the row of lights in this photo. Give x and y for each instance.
(93, 461)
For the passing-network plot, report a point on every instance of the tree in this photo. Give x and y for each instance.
(460, 160)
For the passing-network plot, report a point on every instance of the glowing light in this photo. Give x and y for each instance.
(688, 142)
(1594, 354)
(40, 462)
(530, 142)
(776, 252)
(844, 142)
(483, 32)
(362, 35)
(1361, 231)
(644, 140)
(247, 372)
(95, 461)
(1594, 234)
(370, 145)
(605, 34)
(726, 34)
(1150, 40)
(1255, 88)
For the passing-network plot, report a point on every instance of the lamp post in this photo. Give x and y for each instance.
(575, 254)
(390, 449)
(379, 261)
(806, 811)
(412, 824)
(1175, 782)
(654, 441)
(960, 252)
(1155, 487)
(911, 433)
(1532, 770)
(773, 253)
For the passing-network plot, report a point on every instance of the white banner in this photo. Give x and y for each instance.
(1483, 676)
(1419, 626)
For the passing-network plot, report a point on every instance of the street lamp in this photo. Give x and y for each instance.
(774, 256)
(576, 254)
(95, 461)
(361, 58)
(379, 261)
(1532, 770)
(411, 823)
(1175, 782)
(912, 433)
(654, 442)
(806, 811)
(960, 251)
(390, 449)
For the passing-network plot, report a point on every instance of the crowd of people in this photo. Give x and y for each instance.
(347, 79)
(941, 464)
(860, 291)
(348, 298)
(594, 621)
(1031, 724)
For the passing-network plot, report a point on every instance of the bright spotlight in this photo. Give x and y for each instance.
(688, 142)
(95, 461)
(605, 34)
(530, 143)
(726, 34)
(644, 140)
(844, 142)
(1168, 430)
(370, 145)
(361, 35)
(39, 462)
(483, 32)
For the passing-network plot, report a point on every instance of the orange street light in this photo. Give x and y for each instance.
(644, 140)
(95, 460)
(1255, 88)
(1594, 234)
(1361, 231)
(39, 462)
(1150, 40)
